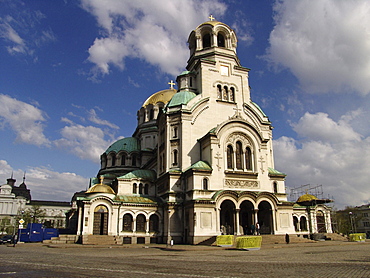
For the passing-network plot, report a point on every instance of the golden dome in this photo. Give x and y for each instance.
(101, 188)
(161, 96)
(306, 198)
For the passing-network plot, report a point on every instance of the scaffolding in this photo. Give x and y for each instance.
(315, 190)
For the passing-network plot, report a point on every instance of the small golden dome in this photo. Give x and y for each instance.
(306, 198)
(101, 188)
(161, 96)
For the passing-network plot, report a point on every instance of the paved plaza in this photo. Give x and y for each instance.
(316, 259)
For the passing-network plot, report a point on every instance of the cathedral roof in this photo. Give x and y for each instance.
(211, 22)
(181, 98)
(135, 199)
(141, 174)
(200, 165)
(100, 188)
(161, 96)
(128, 144)
(275, 172)
(306, 197)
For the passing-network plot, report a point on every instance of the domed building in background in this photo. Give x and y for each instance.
(200, 162)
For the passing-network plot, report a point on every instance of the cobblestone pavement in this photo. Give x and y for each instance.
(327, 259)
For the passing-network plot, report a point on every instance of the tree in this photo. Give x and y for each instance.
(34, 214)
(347, 220)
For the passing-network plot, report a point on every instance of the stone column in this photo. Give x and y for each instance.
(237, 232)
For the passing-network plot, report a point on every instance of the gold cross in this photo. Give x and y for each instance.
(211, 17)
(171, 84)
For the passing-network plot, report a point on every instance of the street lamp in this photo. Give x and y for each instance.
(351, 221)
(169, 228)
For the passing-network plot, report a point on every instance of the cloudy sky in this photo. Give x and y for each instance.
(74, 73)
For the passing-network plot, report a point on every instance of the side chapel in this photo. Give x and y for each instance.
(200, 162)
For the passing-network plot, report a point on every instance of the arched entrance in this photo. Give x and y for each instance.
(320, 219)
(100, 220)
(227, 216)
(246, 219)
(295, 223)
(265, 218)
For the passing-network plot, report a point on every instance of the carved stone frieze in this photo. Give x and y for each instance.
(232, 183)
(238, 136)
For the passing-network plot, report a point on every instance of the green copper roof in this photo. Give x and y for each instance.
(134, 199)
(141, 174)
(181, 98)
(275, 172)
(200, 165)
(259, 108)
(128, 144)
(184, 72)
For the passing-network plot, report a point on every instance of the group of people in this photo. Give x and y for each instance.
(251, 230)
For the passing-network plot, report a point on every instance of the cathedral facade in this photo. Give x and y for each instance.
(200, 162)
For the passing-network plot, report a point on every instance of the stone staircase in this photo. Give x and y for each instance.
(62, 239)
(101, 240)
(280, 239)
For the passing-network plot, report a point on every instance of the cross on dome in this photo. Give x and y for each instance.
(211, 17)
(171, 84)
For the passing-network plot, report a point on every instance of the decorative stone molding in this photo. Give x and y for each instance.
(231, 183)
(239, 136)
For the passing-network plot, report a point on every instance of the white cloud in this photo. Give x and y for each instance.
(24, 119)
(45, 183)
(86, 142)
(320, 127)
(93, 117)
(331, 153)
(21, 29)
(325, 44)
(146, 30)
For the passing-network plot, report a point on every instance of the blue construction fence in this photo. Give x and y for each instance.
(35, 232)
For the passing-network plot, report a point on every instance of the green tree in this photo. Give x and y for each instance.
(34, 214)
(347, 219)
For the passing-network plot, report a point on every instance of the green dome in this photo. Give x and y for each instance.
(128, 144)
(181, 98)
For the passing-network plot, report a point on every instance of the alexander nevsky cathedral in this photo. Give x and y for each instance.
(200, 162)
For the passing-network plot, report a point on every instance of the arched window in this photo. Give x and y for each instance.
(225, 93)
(133, 160)
(113, 160)
(220, 40)
(239, 155)
(140, 223)
(175, 132)
(230, 160)
(140, 188)
(151, 114)
(219, 92)
(134, 188)
(232, 94)
(123, 160)
(205, 184)
(175, 157)
(303, 223)
(103, 161)
(146, 189)
(206, 40)
(248, 158)
(275, 187)
(154, 223)
(127, 222)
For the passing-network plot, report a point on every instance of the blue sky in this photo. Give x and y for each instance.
(74, 73)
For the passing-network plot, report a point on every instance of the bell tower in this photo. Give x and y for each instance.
(215, 64)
